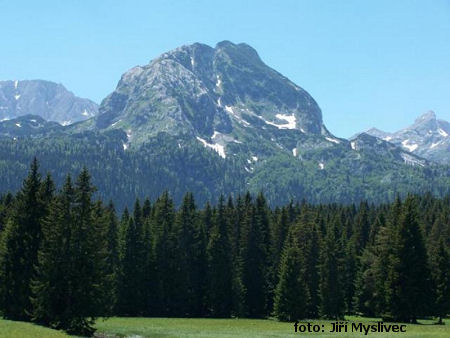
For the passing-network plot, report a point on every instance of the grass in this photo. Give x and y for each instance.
(220, 328)
(216, 328)
(10, 329)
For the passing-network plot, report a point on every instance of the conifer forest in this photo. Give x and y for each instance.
(67, 258)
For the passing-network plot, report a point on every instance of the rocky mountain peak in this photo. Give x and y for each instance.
(429, 115)
(51, 101)
(377, 133)
(425, 123)
(427, 137)
(199, 90)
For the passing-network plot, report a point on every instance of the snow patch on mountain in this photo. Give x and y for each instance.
(115, 123)
(290, 121)
(410, 160)
(220, 149)
(410, 147)
(236, 116)
(435, 144)
(332, 140)
(215, 134)
(442, 132)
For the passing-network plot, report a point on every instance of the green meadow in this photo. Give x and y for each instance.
(198, 327)
(221, 328)
(9, 329)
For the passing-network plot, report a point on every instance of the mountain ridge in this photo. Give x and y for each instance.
(50, 100)
(427, 137)
(217, 121)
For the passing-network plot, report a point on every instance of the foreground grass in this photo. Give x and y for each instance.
(193, 327)
(216, 328)
(9, 329)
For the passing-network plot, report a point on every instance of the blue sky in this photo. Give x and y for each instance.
(367, 63)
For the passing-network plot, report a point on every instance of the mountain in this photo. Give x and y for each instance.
(49, 100)
(428, 137)
(28, 126)
(217, 121)
(208, 92)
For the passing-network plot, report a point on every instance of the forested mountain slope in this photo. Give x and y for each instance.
(215, 120)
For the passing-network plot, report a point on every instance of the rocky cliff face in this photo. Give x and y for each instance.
(428, 137)
(207, 92)
(46, 99)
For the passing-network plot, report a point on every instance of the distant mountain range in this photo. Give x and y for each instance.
(218, 120)
(47, 99)
(428, 137)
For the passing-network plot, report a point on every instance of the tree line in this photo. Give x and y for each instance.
(67, 259)
(181, 163)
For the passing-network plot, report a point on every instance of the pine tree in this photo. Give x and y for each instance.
(52, 294)
(291, 296)
(351, 263)
(365, 301)
(146, 209)
(47, 190)
(235, 215)
(409, 281)
(5, 207)
(384, 251)
(113, 259)
(131, 301)
(255, 244)
(279, 230)
(164, 253)
(191, 258)
(70, 287)
(441, 274)
(331, 293)
(19, 248)
(149, 275)
(219, 265)
(311, 262)
(87, 251)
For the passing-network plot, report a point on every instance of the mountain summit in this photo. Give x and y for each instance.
(205, 91)
(427, 137)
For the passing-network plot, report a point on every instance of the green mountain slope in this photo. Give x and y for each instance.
(216, 120)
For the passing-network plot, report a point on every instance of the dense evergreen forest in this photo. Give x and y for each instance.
(67, 259)
(179, 164)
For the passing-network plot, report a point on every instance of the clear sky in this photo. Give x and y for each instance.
(366, 62)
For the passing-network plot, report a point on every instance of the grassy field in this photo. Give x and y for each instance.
(216, 328)
(170, 327)
(9, 329)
